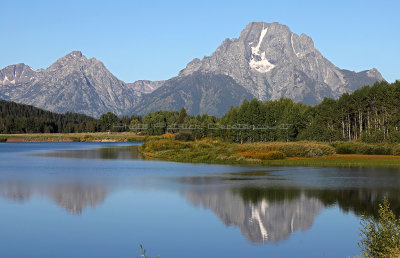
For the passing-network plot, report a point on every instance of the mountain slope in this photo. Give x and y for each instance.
(73, 83)
(199, 93)
(145, 86)
(272, 62)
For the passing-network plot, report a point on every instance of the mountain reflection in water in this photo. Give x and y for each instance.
(72, 196)
(272, 214)
(263, 214)
(262, 221)
(109, 152)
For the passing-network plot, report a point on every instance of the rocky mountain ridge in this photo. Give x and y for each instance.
(73, 83)
(267, 61)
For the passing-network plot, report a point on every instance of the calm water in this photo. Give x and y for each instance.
(101, 200)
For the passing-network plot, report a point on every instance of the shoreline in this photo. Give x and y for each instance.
(73, 137)
(335, 160)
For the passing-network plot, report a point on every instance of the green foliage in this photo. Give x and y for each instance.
(396, 150)
(364, 148)
(19, 118)
(381, 237)
(184, 136)
(108, 121)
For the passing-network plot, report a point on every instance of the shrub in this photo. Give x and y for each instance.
(381, 237)
(163, 144)
(264, 155)
(345, 148)
(85, 138)
(363, 148)
(294, 149)
(3, 139)
(184, 136)
(396, 150)
(168, 135)
(75, 139)
(373, 137)
(273, 155)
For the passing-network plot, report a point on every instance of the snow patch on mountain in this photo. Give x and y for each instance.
(258, 60)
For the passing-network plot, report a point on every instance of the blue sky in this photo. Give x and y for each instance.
(156, 39)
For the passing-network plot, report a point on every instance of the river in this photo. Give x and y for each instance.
(103, 200)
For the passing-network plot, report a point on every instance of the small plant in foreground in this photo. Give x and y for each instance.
(143, 252)
(381, 236)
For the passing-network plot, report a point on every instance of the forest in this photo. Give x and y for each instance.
(370, 114)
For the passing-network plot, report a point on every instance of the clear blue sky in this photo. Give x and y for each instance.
(156, 39)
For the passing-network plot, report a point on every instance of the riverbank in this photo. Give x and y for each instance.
(73, 137)
(213, 151)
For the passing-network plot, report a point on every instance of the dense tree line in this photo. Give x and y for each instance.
(20, 118)
(370, 114)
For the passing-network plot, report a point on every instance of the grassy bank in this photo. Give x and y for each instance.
(269, 154)
(73, 137)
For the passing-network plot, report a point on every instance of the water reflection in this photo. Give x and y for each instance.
(72, 196)
(109, 152)
(267, 205)
(259, 221)
(272, 214)
(263, 213)
(16, 191)
(75, 197)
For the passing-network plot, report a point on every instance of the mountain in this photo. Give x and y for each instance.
(145, 86)
(73, 83)
(268, 61)
(198, 93)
